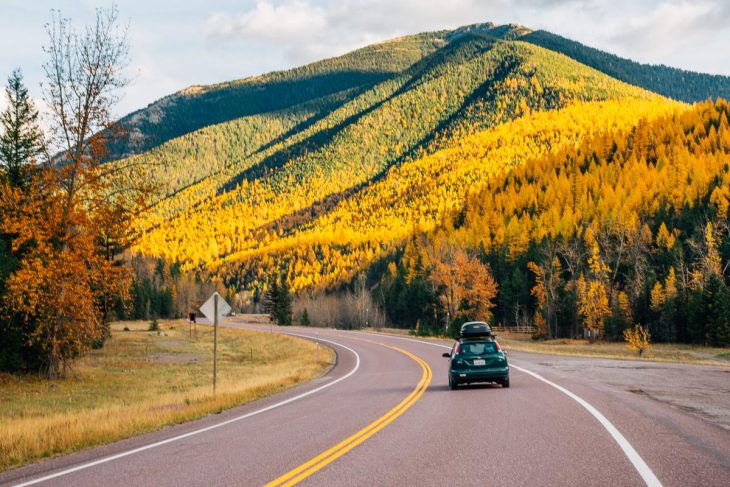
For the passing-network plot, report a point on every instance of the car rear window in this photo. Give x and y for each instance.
(478, 348)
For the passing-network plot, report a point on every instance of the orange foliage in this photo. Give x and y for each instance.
(467, 283)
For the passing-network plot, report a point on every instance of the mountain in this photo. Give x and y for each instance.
(678, 84)
(320, 173)
(283, 182)
(317, 83)
(324, 82)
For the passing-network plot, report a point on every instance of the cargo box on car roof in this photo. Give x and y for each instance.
(475, 329)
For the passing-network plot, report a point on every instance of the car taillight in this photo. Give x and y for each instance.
(499, 349)
(457, 350)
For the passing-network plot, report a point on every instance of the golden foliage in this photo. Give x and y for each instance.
(593, 304)
(467, 283)
(637, 338)
(539, 291)
(712, 259)
(661, 294)
(412, 197)
(64, 280)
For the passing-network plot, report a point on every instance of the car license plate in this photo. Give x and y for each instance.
(479, 361)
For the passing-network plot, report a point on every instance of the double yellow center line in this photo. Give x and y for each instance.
(320, 461)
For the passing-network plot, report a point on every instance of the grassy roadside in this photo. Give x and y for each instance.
(141, 381)
(660, 352)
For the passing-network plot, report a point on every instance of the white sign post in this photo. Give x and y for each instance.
(215, 308)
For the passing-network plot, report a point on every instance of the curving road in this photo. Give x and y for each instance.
(384, 416)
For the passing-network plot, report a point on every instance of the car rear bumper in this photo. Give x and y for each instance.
(465, 376)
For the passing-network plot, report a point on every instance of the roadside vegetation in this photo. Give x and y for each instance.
(142, 381)
(64, 218)
(658, 352)
(662, 352)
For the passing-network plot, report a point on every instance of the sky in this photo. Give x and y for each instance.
(175, 44)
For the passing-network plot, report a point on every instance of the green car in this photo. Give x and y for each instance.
(477, 357)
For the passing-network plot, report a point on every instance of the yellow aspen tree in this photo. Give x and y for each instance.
(624, 306)
(637, 338)
(465, 280)
(539, 291)
(593, 304)
(657, 296)
(713, 261)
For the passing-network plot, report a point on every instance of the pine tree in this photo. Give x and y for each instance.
(283, 311)
(270, 301)
(278, 303)
(20, 141)
(717, 309)
(696, 329)
(305, 318)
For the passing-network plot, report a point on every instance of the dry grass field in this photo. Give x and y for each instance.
(659, 352)
(141, 381)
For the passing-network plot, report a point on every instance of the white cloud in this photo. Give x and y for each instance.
(307, 31)
(150, 80)
(677, 32)
(291, 22)
(683, 33)
(209, 41)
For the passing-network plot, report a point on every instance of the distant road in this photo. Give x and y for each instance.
(384, 415)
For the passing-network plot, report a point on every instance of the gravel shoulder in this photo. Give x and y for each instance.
(700, 390)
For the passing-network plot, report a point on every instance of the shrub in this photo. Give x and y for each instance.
(154, 325)
(637, 338)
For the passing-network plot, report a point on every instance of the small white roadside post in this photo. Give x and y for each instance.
(215, 308)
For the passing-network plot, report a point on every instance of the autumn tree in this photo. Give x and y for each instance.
(539, 292)
(638, 339)
(63, 283)
(20, 144)
(663, 301)
(548, 282)
(593, 303)
(468, 289)
(711, 261)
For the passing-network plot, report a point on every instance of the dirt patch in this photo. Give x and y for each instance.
(696, 389)
(172, 358)
(172, 343)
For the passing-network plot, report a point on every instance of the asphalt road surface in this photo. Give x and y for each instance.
(384, 416)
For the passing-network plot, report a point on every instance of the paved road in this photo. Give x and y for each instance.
(384, 416)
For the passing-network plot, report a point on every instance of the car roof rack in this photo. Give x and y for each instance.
(476, 329)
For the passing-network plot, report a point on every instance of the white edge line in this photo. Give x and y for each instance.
(207, 428)
(633, 456)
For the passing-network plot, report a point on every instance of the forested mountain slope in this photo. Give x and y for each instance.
(200, 106)
(592, 202)
(339, 78)
(678, 84)
(631, 225)
(471, 84)
(416, 196)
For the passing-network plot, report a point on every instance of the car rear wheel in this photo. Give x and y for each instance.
(505, 382)
(452, 384)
